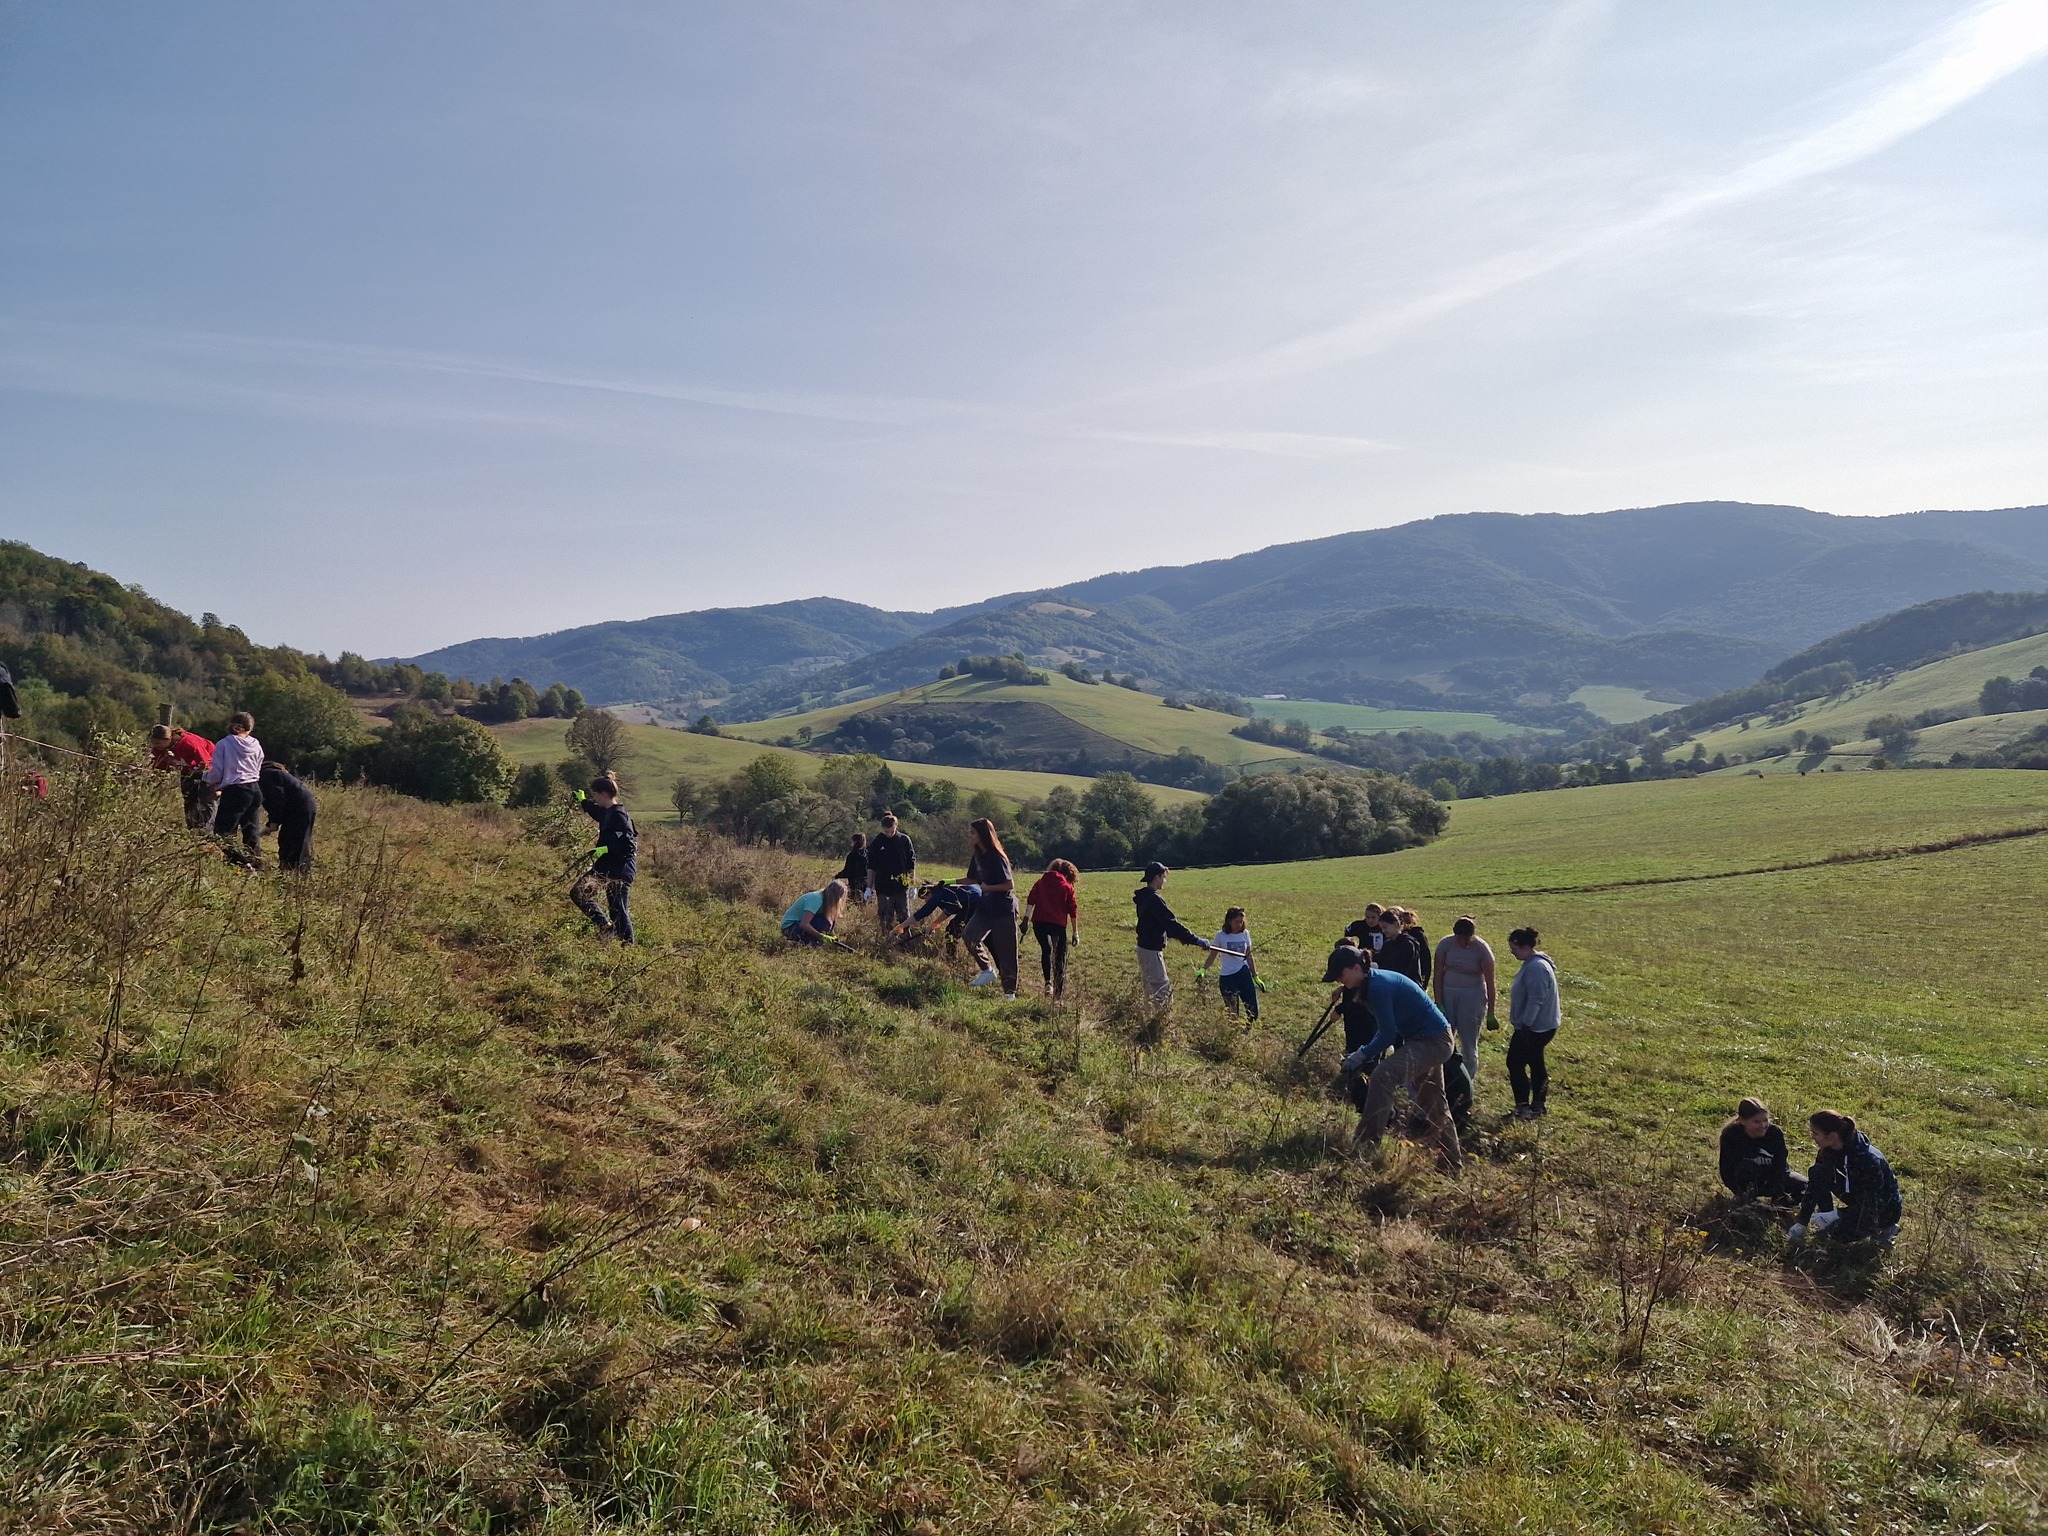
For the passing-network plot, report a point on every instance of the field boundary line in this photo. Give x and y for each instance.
(1859, 856)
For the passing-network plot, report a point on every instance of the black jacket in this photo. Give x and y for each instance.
(10, 704)
(619, 838)
(1156, 922)
(854, 871)
(892, 858)
(1425, 949)
(1752, 1162)
(1400, 954)
(1861, 1182)
(286, 800)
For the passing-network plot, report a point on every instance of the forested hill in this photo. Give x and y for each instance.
(1472, 609)
(1926, 632)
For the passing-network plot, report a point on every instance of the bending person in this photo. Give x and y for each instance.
(1851, 1193)
(1420, 1037)
(289, 808)
(1534, 1015)
(1755, 1163)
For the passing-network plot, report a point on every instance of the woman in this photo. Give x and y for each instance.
(1412, 926)
(1852, 1193)
(1755, 1164)
(1237, 979)
(1156, 924)
(991, 934)
(855, 870)
(1534, 1015)
(1397, 951)
(814, 916)
(1464, 987)
(1053, 910)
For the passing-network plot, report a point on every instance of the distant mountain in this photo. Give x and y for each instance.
(1480, 609)
(1927, 632)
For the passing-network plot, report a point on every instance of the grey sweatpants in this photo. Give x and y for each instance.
(1465, 1007)
(1152, 976)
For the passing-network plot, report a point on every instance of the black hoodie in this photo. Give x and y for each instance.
(1156, 922)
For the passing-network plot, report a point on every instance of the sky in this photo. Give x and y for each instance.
(378, 326)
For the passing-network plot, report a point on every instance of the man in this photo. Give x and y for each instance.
(289, 808)
(173, 749)
(1365, 934)
(616, 864)
(1405, 1019)
(892, 862)
(237, 765)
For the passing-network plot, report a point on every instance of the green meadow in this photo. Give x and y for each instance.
(388, 1200)
(1320, 716)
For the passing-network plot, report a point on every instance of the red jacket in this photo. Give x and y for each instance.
(1052, 900)
(191, 753)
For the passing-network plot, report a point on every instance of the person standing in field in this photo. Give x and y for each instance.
(173, 749)
(1237, 978)
(1405, 1020)
(892, 866)
(289, 808)
(1054, 910)
(1398, 952)
(1464, 987)
(1533, 1016)
(1755, 1162)
(1157, 924)
(991, 934)
(1365, 934)
(855, 870)
(616, 864)
(1412, 926)
(237, 765)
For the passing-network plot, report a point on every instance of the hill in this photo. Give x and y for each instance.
(388, 1200)
(1476, 611)
(1926, 632)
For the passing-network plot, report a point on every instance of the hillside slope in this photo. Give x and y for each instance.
(1926, 632)
(373, 1204)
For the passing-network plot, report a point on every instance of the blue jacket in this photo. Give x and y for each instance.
(1401, 1010)
(1861, 1182)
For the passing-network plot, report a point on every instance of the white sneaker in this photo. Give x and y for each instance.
(983, 979)
(1009, 997)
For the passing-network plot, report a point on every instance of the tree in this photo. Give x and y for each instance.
(534, 786)
(301, 721)
(436, 757)
(1316, 814)
(598, 738)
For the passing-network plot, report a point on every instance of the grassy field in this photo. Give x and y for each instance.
(1946, 685)
(388, 1201)
(658, 756)
(1141, 720)
(1320, 716)
(1619, 705)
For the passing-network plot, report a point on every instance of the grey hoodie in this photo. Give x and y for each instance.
(1532, 1001)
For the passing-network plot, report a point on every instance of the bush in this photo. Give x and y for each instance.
(435, 757)
(301, 721)
(1316, 814)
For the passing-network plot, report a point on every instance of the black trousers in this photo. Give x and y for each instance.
(198, 803)
(1052, 954)
(1527, 1071)
(1782, 1184)
(295, 844)
(236, 814)
(991, 937)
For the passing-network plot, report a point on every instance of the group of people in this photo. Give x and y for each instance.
(227, 784)
(1849, 1193)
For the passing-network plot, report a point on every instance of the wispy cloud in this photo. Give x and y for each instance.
(1917, 89)
(1286, 445)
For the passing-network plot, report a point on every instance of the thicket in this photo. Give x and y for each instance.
(2003, 696)
(967, 738)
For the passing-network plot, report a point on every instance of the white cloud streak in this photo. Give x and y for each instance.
(1286, 445)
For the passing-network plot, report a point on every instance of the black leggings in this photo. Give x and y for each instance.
(1052, 954)
(1527, 1071)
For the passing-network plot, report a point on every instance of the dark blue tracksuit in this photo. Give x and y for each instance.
(616, 867)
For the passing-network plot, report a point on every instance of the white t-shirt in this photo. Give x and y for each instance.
(1239, 945)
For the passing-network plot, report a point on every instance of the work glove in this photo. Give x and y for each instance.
(1492, 1019)
(581, 796)
(1355, 1062)
(1797, 1233)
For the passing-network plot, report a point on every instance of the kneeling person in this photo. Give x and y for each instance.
(1851, 1193)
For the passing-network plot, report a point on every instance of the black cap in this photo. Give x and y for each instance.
(1342, 958)
(1153, 871)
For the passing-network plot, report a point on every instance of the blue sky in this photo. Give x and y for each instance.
(381, 326)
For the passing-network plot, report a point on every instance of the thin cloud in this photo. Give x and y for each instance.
(1917, 89)
(1286, 445)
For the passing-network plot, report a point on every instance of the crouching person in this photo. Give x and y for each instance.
(616, 862)
(1755, 1163)
(813, 918)
(1406, 1020)
(289, 809)
(1851, 1193)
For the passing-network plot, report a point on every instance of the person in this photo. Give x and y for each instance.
(289, 809)
(955, 902)
(1533, 1017)
(617, 861)
(173, 749)
(1412, 926)
(855, 870)
(1755, 1163)
(1401, 1016)
(237, 764)
(1237, 977)
(1397, 952)
(1157, 924)
(1464, 986)
(1054, 911)
(991, 934)
(892, 866)
(1851, 1193)
(1365, 934)
(814, 916)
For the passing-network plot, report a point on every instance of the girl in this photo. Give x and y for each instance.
(1755, 1164)
(1236, 980)
(855, 870)
(1851, 1188)
(1533, 1011)
(991, 934)
(1462, 979)
(1053, 911)
(813, 916)
(1156, 924)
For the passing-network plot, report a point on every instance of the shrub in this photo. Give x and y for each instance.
(301, 721)
(445, 758)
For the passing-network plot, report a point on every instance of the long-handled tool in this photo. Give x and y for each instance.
(1322, 1025)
